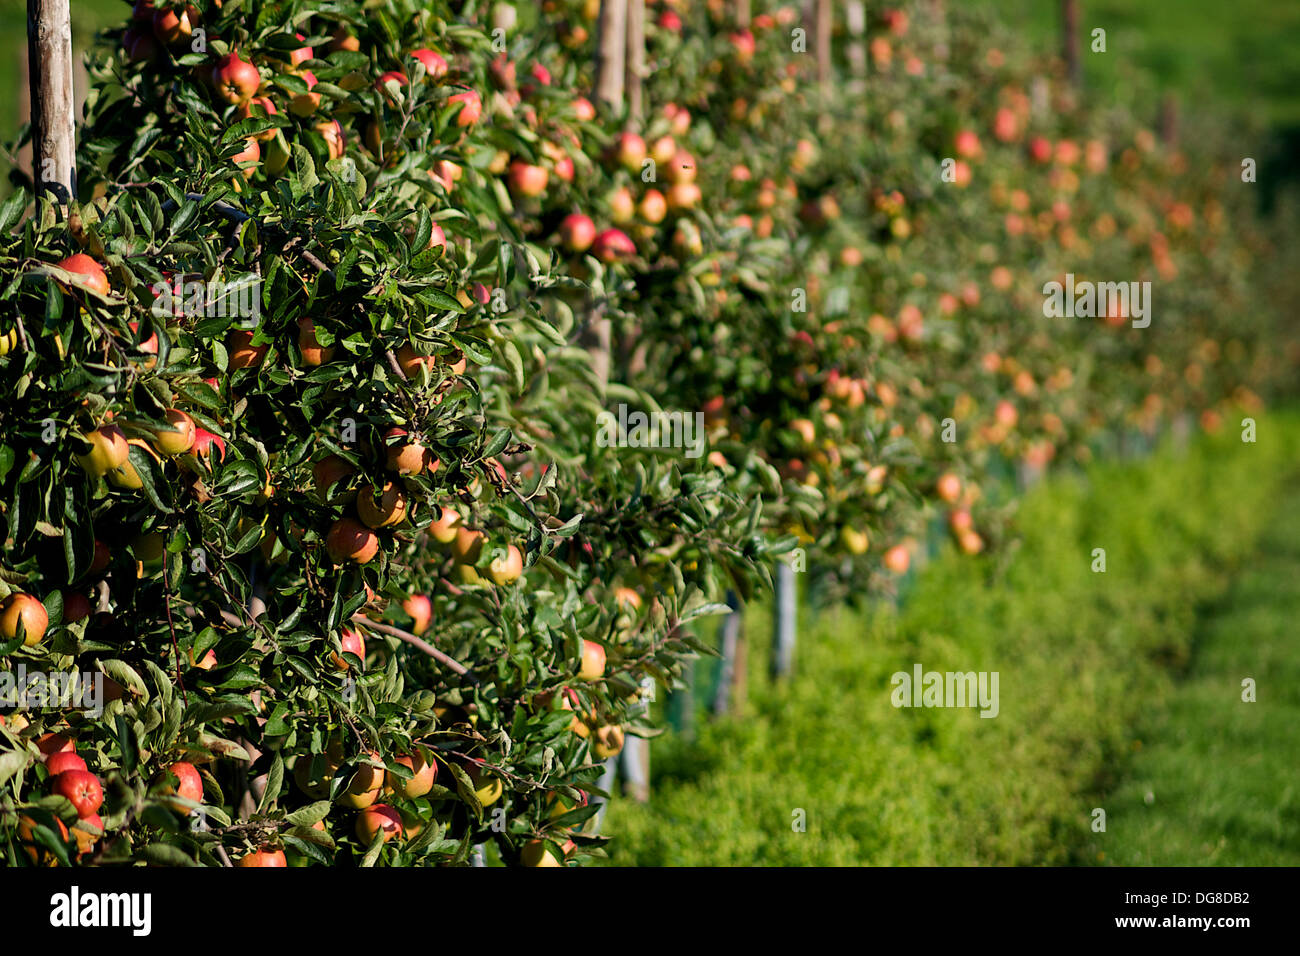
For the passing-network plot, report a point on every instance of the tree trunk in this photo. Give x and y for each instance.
(1169, 120)
(49, 52)
(1070, 41)
(635, 53)
(825, 18)
(611, 53)
(856, 15)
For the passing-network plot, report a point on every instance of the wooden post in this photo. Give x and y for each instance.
(635, 56)
(611, 53)
(1070, 41)
(825, 17)
(743, 17)
(1169, 120)
(783, 622)
(49, 54)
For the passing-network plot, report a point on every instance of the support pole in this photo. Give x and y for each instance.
(49, 56)
(635, 56)
(783, 623)
(1070, 41)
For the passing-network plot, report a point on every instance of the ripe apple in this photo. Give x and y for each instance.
(304, 104)
(173, 26)
(410, 361)
(527, 180)
(332, 133)
(241, 352)
(612, 245)
(434, 64)
(608, 741)
(189, 786)
(467, 545)
(897, 559)
(424, 773)
(52, 743)
(506, 570)
(535, 853)
(329, 471)
(313, 353)
(127, 476)
(366, 785)
(487, 786)
(87, 831)
(36, 851)
(30, 611)
(57, 763)
(629, 151)
(263, 856)
(301, 55)
(682, 196)
(75, 607)
(258, 106)
(350, 540)
(350, 642)
(967, 144)
(404, 457)
(205, 442)
(445, 528)
(419, 609)
(583, 110)
(179, 438)
(622, 207)
(388, 509)
(653, 207)
(960, 521)
(948, 487)
(683, 168)
(577, 232)
(341, 39)
(471, 108)
(378, 820)
(108, 450)
(1040, 150)
(593, 661)
(743, 43)
(91, 272)
(235, 79)
(970, 542)
(82, 789)
(663, 149)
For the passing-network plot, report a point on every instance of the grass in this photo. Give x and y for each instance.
(1243, 54)
(1083, 660)
(1219, 773)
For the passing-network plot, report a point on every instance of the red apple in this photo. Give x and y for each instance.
(381, 820)
(235, 79)
(189, 785)
(471, 107)
(613, 245)
(91, 272)
(527, 180)
(82, 789)
(434, 64)
(350, 540)
(350, 642)
(423, 775)
(419, 609)
(577, 232)
(25, 608)
(263, 856)
(57, 763)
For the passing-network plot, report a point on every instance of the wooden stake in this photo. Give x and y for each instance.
(611, 53)
(1070, 41)
(635, 55)
(824, 22)
(49, 52)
